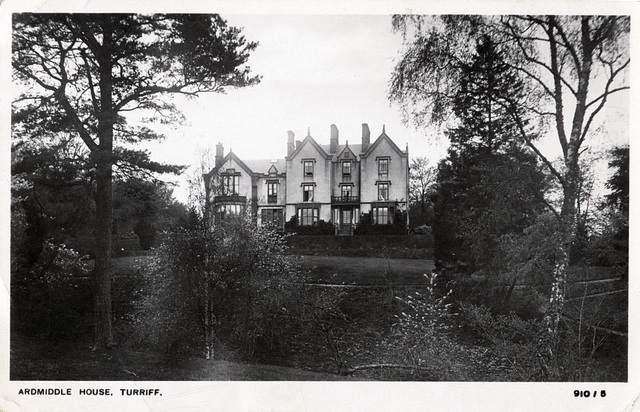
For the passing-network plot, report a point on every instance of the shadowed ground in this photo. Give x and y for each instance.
(68, 360)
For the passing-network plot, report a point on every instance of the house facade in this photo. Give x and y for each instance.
(335, 183)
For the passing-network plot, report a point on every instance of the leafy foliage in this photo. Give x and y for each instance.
(40, 296)
(398, 226)
(608, 244)
(488, 186)
(145, 208)
(558, 59)
(514, 341)
(421, 186)
(321, 228)
(428, 315)
(58, 263)
(51, 192)
(81, 74)
(619, 182)
(515, 344)
(422, 334)
(231, 280)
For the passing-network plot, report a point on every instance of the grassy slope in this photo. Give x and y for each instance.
(365, 307)
(365, 270)
(331, 269)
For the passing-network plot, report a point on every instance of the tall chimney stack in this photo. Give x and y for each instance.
(333, 143)
(366, 137)
(290, 142)
(219, 154)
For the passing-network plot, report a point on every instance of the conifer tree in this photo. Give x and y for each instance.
(83, 73)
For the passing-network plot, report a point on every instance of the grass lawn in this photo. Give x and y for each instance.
(330, 269)
(365, 270)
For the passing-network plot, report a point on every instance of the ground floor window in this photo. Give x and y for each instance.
(272, 217)
(308, 216)
(382, 215)
(224, 210)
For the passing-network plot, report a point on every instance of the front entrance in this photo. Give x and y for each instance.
(346, 222)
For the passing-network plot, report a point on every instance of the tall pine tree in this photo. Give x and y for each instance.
(82, 73)
(489, 184)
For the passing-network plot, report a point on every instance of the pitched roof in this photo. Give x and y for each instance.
(309, 140)
(380, 138)
(233, 156)
(262, 166)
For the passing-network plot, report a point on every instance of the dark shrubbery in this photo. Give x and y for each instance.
(515, 344)
(422, 334)
(514, 341)
(320, 228)
(229, 286)
(53, 297)
(389, 246)
(366, 227)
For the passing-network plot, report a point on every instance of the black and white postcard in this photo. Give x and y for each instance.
(318, 206)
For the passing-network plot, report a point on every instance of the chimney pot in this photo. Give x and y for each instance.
(366, 137)
(333, 143)
(290, 142)
(219, 154)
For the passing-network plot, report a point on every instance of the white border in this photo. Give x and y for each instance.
(317, 396)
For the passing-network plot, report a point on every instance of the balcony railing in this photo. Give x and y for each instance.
(345, 199)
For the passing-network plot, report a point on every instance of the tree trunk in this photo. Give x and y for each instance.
(570, 188)
(103, 331)
(567, 233)
(208, 323)
(103, 157)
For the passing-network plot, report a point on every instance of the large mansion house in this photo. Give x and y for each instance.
(334, 183)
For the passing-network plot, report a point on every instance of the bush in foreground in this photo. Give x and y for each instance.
(47, 299)
(228, 285)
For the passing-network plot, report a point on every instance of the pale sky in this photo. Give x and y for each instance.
(317, 70)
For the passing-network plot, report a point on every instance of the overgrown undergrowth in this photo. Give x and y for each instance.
(362, 333)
